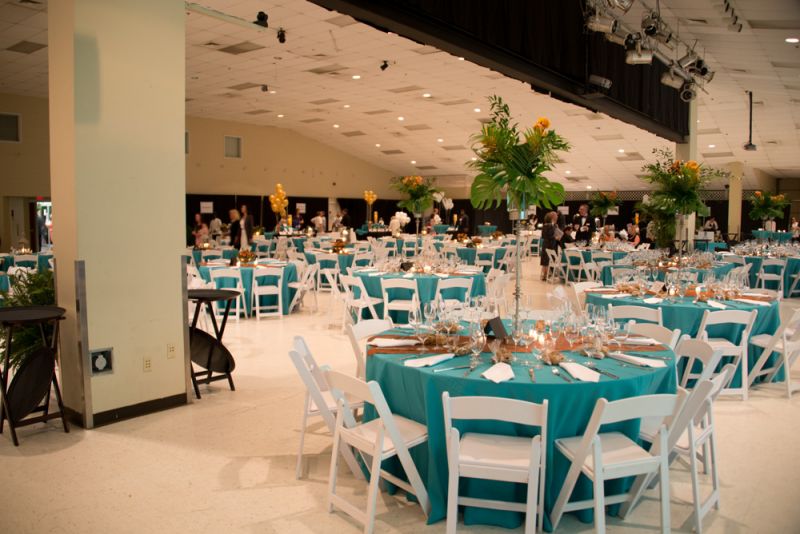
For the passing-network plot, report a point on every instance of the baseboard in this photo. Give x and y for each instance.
(136, 410)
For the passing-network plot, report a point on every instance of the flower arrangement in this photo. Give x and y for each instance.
(278, 201)
(419, 190)
(497, 234)
(678, 183)
(602, 202)
(338, 247)
(767, 206)
(403, 218)
(510, 163)
(246, 257)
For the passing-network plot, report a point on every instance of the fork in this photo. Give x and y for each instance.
(562, 377)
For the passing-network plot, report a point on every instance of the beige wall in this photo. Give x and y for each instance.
(274, 155)
(25, 166)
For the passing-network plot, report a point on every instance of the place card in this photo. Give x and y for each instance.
(656, 287)
(495, 326)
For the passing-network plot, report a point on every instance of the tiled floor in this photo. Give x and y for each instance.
(226, 463)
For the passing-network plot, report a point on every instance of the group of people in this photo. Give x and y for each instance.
(240, 228)
(556, 233)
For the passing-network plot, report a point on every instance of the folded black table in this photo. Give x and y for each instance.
(207, 351)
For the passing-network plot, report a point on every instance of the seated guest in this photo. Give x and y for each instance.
(711, 225)
(633, 236)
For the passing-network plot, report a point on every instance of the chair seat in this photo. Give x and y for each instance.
(412, 432)
(618, 450)
(402, 305)
(727, 348)
(331, 403)
(488, 450)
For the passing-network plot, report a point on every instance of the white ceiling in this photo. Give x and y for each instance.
(367, 110)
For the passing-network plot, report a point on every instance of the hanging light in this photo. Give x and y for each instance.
(671, 79)
(602, 24)
(687, 92)
(639, 55)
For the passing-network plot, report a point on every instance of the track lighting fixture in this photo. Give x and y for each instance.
(384, 65)
(616, 38)
(261, 20)
(671, 79)
(650, 24)
(602, 24)
(264, 88)
(687, 92)
(622, 5)
(281, 35)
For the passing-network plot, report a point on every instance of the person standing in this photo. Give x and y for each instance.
(215, 227)
(200, 231)
(336, 223)
(345, 222)
(234, 228)
(246, 236)
(435, 218)
(318, 222)
(463, 223)
(551, 239)
(583, 224)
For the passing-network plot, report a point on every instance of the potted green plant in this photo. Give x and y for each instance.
(30, 289)
(510, 163)
(767, 207)
(419, 190)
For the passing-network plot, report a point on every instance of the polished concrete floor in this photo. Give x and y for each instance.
(226, 463)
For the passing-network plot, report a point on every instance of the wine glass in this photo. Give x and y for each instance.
(414, 321)
(477, 342)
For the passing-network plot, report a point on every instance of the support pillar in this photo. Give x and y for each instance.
(736, 170)
(118, 188)
(685, 229)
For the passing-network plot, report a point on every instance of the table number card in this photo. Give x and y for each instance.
(495, 326)
(656, 287)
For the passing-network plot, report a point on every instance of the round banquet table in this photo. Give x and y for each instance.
(684, 314)
(345, 260)
(416, 393)
(289, 275)
(486, 229)
(719, 270)
(227, 254)
(792, 268)
(470, 254)
(426, 286)
(710, 246)
(42, 262)
(780, 237)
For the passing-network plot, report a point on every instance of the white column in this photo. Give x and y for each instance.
(736, 170)
(688, 151)
(118, 187)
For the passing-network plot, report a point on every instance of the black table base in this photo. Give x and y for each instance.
(207, 351)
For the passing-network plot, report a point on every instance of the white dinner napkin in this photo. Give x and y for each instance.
(441, 275)
(636, 360)
(715, 304)
(753, 294)
(377, 273)
(653, 300)
(579, 372)
(499, 372)
(601, 290)
(367, 269)
(384, 342)
(751, 301)
(428, 361)
(408, 275)
(614, 295)
(641, 341)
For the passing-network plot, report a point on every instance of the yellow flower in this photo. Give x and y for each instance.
(692, 165)
(544, 122)
(758, 194)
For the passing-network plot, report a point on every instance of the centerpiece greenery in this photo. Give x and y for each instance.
(602, 202)
(30, 289)
(510, 163)
(766, 206)
(419, 191)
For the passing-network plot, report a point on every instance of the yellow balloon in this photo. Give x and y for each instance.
(279, 186)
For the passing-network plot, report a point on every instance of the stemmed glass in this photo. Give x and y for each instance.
(415, 322)
(477, 342)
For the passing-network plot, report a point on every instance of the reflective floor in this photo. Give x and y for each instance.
(226, 463)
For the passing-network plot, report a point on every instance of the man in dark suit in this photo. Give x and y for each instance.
(583, 224)
(346, 219)
(463, 223)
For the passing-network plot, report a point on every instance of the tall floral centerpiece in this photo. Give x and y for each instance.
(677, 188)
(370, 197)
(767, 207)
(419, 191)
(602, 202)
(510, 164)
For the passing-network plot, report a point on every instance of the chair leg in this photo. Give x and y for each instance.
(664, 485)
(452, 486)
(298, 471)
(599, 504)
(695, 484)
(531, 518)
(372, 492)
(334, 466)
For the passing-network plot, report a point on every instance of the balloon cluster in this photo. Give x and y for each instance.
(278, 201)
(370, 197)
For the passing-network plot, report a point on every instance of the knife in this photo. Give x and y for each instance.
(451, 368)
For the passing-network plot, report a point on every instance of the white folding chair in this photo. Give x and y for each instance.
(555, 267)
(318, 402)
(493, 457)
(697, 352)
(363, 259)
(509, 259)
(305, 283)
(736, 350)
(779, 351)
(665, 336)
(452, 284)
(234, 275)
(353, 285)
(396, 303)
(26, 260)
(268, 282)
(281, 248)
(358, 334)
(329, 268)
(621, 273)
(213, 254)
(410, 248)
(387, 436)
(496, 290)
(578, 267)
(577, 293)
(484, 259)
(771, 271)
(602, 456)
(733, 258)
(636, 314)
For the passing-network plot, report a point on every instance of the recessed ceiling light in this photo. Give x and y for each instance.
(335, 125)
(280, 116)
(273, 91)
(461, 59)
(401, 118)
(440, 140)
(426, 95)
(346, 106)
(356, 77)
(413, 162)
(698, 120)
(712, 146)
(477, 110)
(377, 145)
(621, 150)
(588, 187)
(792, 40)
(569, 172)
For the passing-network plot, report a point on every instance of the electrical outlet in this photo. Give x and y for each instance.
(148, 365)
(171, 351)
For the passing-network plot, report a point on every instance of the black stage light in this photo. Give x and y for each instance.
(384, 65)
(261, 20)
(281, 35)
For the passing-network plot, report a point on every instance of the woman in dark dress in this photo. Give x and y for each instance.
(551, 239)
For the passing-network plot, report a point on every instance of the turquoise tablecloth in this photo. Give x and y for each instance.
(710, 246)
(441, 228)
(686, 315)
(426, 287)
(289, 275)
(345, 261)
(227, 254)
(417, 395)
(42, 262)
(780, 237)
(486, 229)
(470, 255)
(719, 272)
(792, 268)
